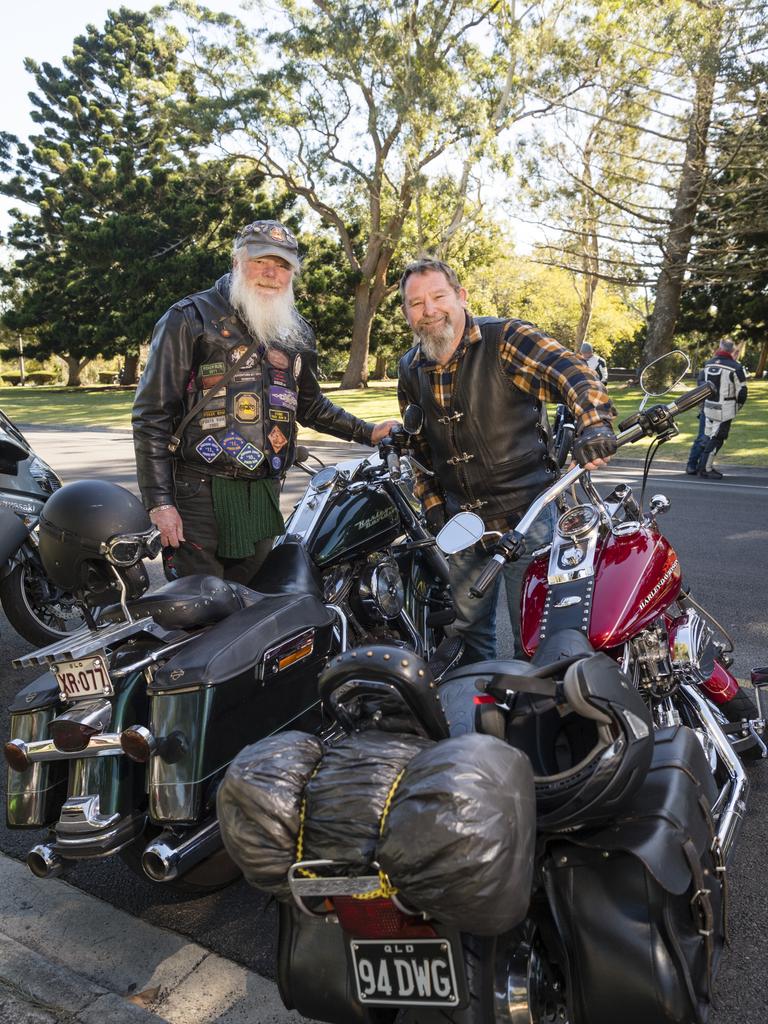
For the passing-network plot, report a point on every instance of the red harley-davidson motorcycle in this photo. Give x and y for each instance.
(627, 912)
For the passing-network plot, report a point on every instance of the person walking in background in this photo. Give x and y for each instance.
(728, 377)
(595, 362)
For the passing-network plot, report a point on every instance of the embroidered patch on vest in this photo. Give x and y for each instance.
(232, 443)
(209, 448)
(211, 374)
(282, 398)
(279, 377)
(277, 358)
(276, 461)
(250, 456)
(277, 438)
(213, 420)
(279, 416)
(239, 350)
(297, 366)
(247, 407)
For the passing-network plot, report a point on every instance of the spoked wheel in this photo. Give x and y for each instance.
(36, 608)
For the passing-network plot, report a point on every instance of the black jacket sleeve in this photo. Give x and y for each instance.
(159, 401)
(317, 410)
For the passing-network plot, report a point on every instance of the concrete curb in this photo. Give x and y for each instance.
(69, 958)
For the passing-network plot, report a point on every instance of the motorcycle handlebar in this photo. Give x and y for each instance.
(644, 425)
(487, 576)
(693, 398)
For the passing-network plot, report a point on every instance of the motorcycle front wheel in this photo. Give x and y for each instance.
(37, 610)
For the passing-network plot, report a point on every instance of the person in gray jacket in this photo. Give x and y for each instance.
(729, 379)
(231, 373)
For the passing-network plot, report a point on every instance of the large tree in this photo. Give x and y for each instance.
(356, 107)
(121, 214)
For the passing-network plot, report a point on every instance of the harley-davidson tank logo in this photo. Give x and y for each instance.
(378, 517)
(662, 582)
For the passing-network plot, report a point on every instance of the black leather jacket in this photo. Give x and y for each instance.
(249, 430)
(489, 450)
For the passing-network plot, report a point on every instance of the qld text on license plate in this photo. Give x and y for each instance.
(419, 972)
(86, 678)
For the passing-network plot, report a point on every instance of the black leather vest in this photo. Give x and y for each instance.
(489, 449)
(248, 428)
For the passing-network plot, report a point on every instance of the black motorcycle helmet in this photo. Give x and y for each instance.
(92, 530)
(591, 750)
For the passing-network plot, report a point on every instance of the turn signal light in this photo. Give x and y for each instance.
(138, 743)
(16, 755)
(70, 736)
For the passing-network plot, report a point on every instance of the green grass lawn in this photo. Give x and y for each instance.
(111, 407)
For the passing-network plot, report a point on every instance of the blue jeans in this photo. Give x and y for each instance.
(476, 617)
(698, 448)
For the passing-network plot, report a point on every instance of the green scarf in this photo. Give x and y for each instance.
(247, 511)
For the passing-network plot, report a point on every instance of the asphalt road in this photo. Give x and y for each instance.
(720, 532)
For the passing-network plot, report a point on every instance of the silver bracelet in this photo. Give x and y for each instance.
(160, 508)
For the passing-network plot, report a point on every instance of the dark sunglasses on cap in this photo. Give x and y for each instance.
(125, 549)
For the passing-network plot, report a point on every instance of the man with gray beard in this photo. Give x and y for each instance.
(230, 374)
(480, 383)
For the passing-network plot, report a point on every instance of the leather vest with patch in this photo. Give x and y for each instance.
(248, 429)
(489, 449)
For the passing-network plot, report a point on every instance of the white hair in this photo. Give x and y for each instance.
(270, 319)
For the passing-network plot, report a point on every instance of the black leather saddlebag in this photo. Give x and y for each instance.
(641, 903)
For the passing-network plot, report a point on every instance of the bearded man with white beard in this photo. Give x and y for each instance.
(481, 383)
(231, 372)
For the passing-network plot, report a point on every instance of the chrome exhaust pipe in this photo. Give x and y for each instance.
(44, 862)
(170, 856)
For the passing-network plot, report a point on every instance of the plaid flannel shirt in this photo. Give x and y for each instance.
(535, 363)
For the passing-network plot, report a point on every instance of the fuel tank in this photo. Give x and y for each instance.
(356, 522)
(637, 576)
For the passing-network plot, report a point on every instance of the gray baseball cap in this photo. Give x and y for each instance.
(269, 238)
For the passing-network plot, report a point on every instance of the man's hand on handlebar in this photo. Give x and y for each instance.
(594, 446)
(381, 430)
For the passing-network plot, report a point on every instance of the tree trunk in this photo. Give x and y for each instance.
(130, 368)
(380, 371)
(761, 363)
(75, 367)
(587, 304)
(669, 286)
(356, 373)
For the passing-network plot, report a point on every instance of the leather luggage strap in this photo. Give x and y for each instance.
(175, 440)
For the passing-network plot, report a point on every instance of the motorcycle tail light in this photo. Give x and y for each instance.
(138, 743)
(379, 919)
(16, 755)
(70, 736)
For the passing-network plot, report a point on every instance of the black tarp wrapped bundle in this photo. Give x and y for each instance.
(458, 840)
(347, 796)
(259, 805)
